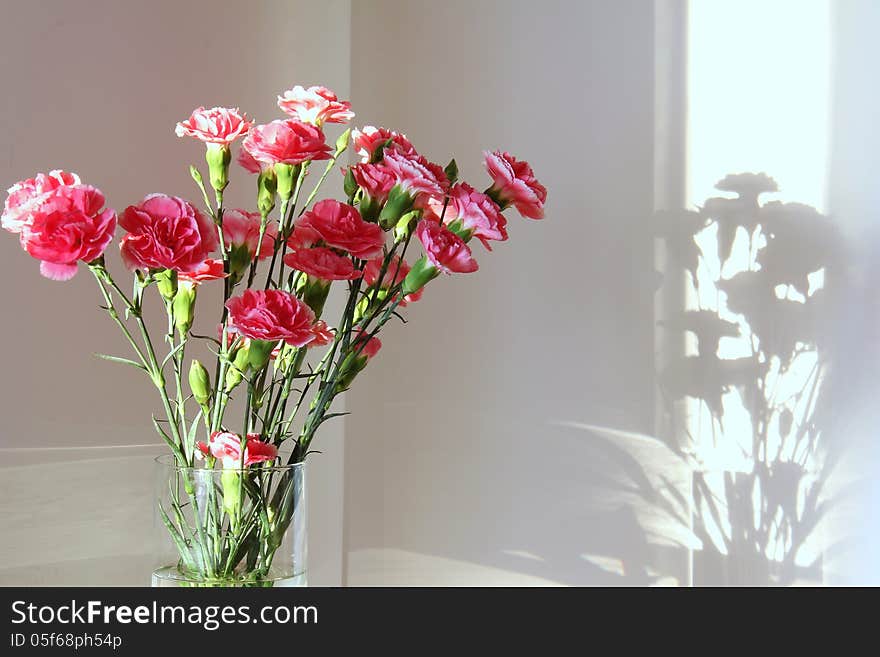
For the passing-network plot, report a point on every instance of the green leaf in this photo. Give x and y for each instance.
(167, 439)
(123, 361)
(331, 416)
(173, 352)
(451, 171)
(191, 434)
(179, 541)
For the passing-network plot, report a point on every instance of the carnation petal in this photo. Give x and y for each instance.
(56, 271)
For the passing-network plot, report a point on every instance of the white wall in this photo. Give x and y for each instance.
(97, 87)
(455, 448)
(854, 199)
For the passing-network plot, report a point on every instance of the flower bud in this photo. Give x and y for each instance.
(218, 157)
(196, 175)
(199, 383)
(236, 371)
(342, 141)
(357, 360)
(267, 184)
(183, 307)
(363, 306)
(405, 226)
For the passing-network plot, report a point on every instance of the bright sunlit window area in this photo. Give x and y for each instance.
(758, 77)
(759, 95)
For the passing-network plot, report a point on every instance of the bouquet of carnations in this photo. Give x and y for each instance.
(236, 483)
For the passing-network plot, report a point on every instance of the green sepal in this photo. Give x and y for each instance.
(259, 352)
(314, 294)
(421, 274)
(405, 225)
(166, 281)
(239, 261)
(218, 157)
(285, 174)
(398, 204)
(458, 228)
(230, 481)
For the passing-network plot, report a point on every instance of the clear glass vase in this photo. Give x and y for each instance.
(230, 527)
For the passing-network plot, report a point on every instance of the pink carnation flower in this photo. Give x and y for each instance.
(249, 164)
(340, 225)
(209, 270)
(242, 228)
(271, 315)
(315, 105)
(321, 262)
(476, 213)
(514, 183)
(166, 232)
(444, 249)
(26, 196)
(375, 179)
(218, 125)
(71, 224)
(324, 335)
(369, 347)
(286, 141)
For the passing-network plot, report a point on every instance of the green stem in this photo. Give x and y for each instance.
(285, 232)
(114, 315)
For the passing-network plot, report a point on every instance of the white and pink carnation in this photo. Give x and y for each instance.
(70, 225)
(368, 140)
(315, 105)
(226, 446)
(413, 175)
(218, 125)
(26, 196)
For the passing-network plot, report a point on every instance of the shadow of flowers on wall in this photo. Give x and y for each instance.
(744, 397)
